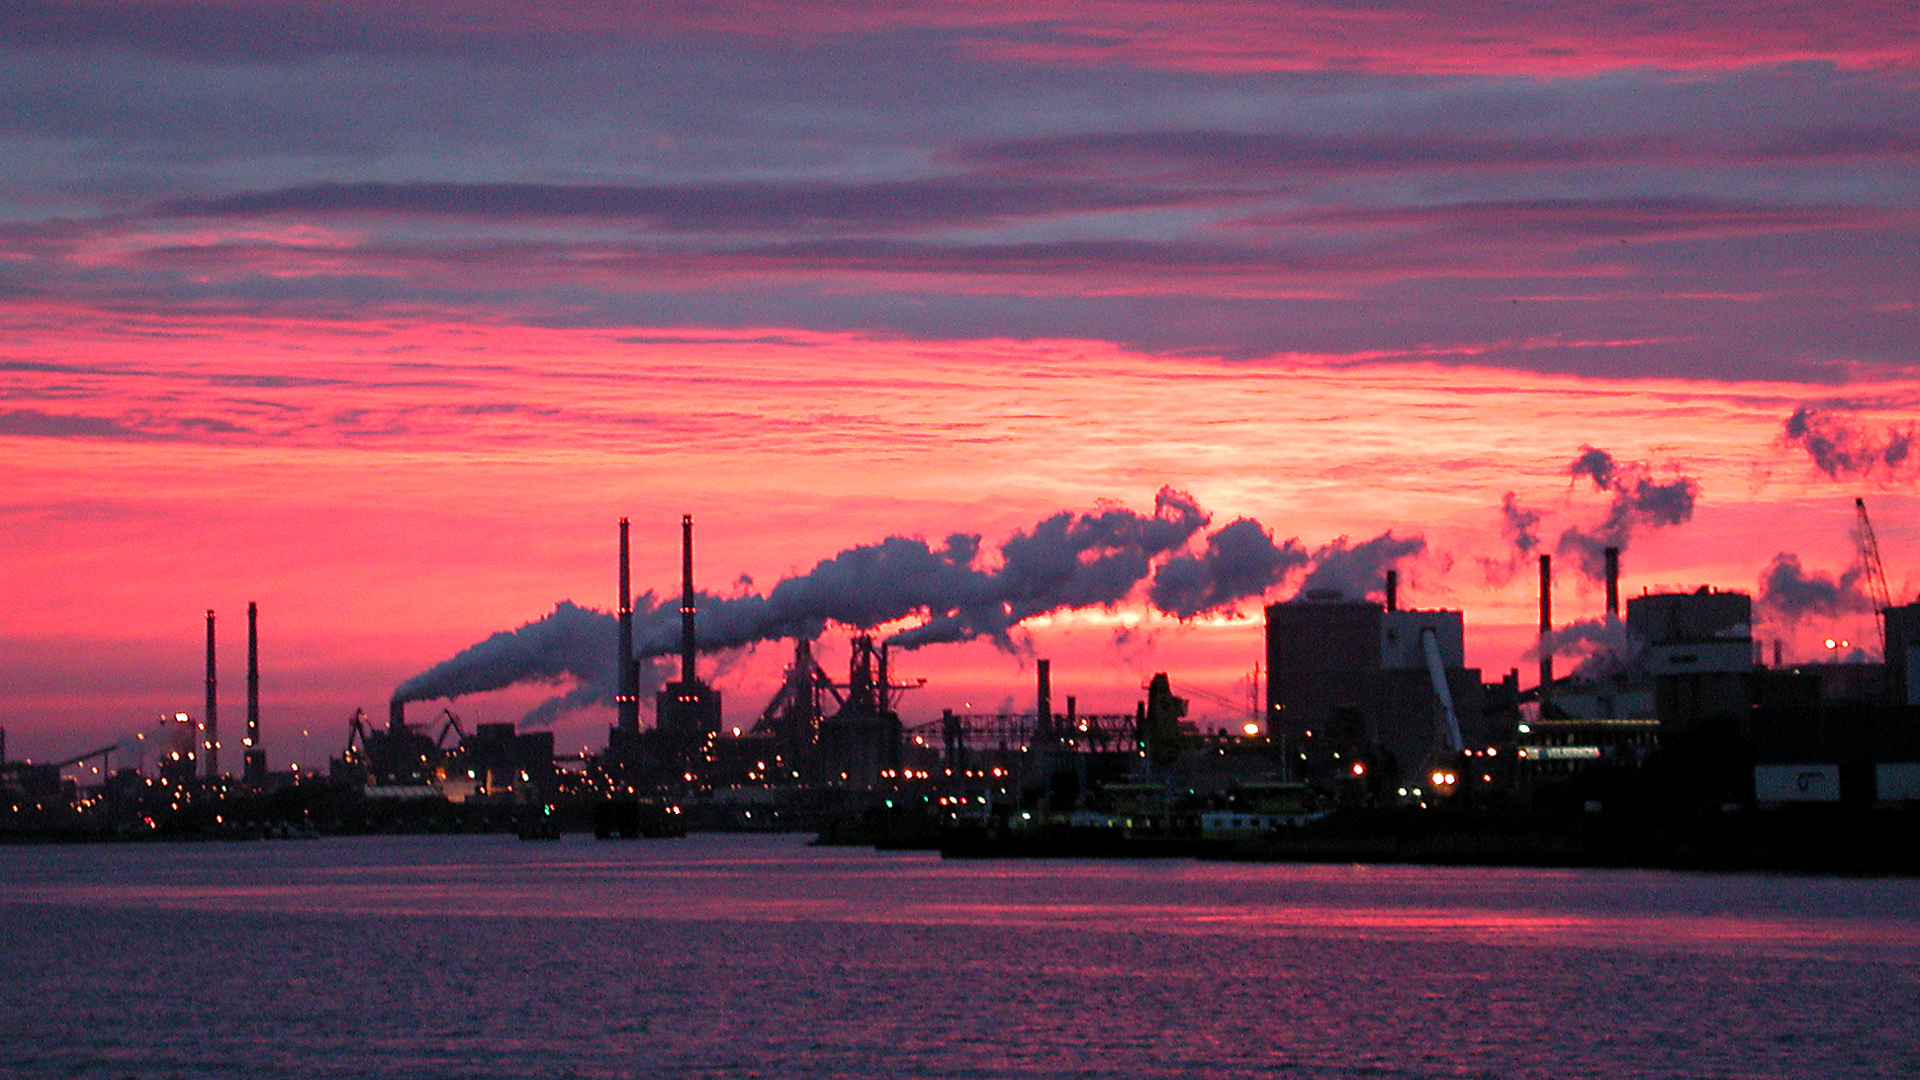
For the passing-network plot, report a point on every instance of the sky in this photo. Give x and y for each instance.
(1075, 331)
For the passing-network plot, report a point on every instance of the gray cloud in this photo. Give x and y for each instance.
(1067, 561)
(1639, 501)
(1846, 449)
(1790, 593)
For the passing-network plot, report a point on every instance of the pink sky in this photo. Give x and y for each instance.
(385, 331)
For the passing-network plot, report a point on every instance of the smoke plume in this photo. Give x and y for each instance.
(1357, 571)
(1067, 561)
(1638, 501)
(1843, 448)
(1791, 594)
(1600, 647)
(1520, 528)
(571, 641)
(1240, 561)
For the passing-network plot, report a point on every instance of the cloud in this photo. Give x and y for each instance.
(32, 423)
(707, 207)
(1520, 528)
(1359, 570)
(1844, 448)
(1791, 594)
(1639, 501)
(1567, 37)
(1240, 561)
(1097, 559)
(1602, 646)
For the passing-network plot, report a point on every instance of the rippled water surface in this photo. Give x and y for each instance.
(424, 957)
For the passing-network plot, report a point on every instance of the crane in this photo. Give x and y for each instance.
(105, 753)
(1876, 573)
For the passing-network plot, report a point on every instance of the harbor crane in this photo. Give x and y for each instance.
(1874, 571)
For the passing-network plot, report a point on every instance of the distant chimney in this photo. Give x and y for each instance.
(1393, 590)
(1043, 698)
(213, 709)
(1613, 583)
(1546, 629)
(253, 758)
(628, 702)
(686, 599)
(396, 715)
(253, 674)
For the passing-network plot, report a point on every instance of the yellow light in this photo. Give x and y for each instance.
(1250, 728)
(1359, 768)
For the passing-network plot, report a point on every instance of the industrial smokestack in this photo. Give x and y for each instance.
(627, 698)
(686, 599)
(253, 758)
(1393, 590)
(396, 715)
(253, 673)
(1043, 698)
(1546, 629)
(1613, 583)
(212, 746)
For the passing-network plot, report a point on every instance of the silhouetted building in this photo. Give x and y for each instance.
(1351, 682)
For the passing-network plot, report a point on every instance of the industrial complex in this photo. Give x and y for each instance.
(1368, 707)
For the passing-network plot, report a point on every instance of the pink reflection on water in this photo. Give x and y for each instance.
(776, 880)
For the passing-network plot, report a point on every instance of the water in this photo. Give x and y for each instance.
(427, 957)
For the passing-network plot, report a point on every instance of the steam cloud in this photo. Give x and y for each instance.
(1356, 571)
(1064, 562)
(1792, 594)
(1602, 645)
(1638, 500)
(1519, 527)
(1842, 448)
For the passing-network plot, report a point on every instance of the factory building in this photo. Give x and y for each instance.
(1357, 684)
(860, 743)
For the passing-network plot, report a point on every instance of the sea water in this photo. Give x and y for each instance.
(730, 956)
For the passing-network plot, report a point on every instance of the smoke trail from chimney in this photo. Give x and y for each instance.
(1638, 501)
(1844, 448)
(1789, 593)
(1520, 528)
(1067, 561)
(1599, 647)
(1359, 570)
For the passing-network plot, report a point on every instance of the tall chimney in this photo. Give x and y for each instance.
(1613, 583)
(1043, 699)
(1393, 590)
(253, 763)
(628, 701)
(1546, 628)
(213, 709)
(686, 599)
